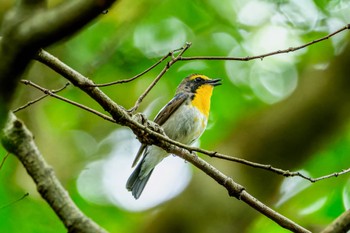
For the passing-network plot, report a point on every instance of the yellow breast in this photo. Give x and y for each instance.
(201, 99)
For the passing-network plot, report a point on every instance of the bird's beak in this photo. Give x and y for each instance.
(214, 82)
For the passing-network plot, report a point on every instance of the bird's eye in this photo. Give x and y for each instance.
(197, 80)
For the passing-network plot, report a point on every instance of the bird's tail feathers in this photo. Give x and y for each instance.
(136, 183)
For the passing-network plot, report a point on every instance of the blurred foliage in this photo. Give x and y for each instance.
(132, 36)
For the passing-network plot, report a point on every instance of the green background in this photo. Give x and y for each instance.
(252, 102)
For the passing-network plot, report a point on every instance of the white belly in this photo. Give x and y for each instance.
(185, 125)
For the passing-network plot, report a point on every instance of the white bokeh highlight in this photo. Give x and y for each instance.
(291, 187)
(156, 40)
(103, 181)
(273, 78)
(314, 206)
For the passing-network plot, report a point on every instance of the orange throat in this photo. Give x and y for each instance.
(201, 99)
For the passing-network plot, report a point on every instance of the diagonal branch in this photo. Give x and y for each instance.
(235, 189)
(119, 114)
(122, 117)
(340, 224)
(18, 140)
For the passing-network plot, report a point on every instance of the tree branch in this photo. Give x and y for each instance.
(43, 28)
(235, 189)
(118, 113)
(25, 29)
(122, 117)
(18, 140)
(340, 224)
(28, 35)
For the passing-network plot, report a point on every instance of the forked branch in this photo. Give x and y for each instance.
(123, 117)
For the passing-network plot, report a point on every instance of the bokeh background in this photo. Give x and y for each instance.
(290, 110)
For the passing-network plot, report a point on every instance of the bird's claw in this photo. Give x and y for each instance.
(142, 119)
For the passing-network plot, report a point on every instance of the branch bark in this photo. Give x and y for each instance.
(25, 29)
(18, 140)
(339, 225)
(146, 135)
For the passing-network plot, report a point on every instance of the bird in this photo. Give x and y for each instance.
(184, 118)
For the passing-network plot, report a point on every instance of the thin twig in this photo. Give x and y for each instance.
(15, 201)
(39, 98)
(136, 76)
(285, 173)
(4, 159)
(335, 174)
(262, 56)
(268, 167)
(50, 93)
(155, 81)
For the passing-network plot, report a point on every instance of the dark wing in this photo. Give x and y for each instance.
(162, 116)
(170, 108)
